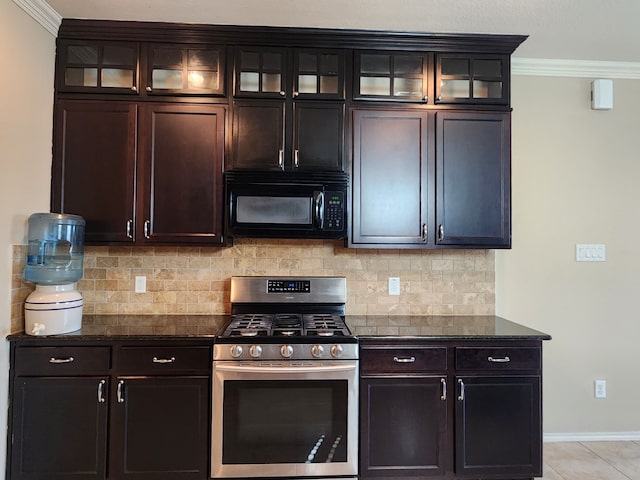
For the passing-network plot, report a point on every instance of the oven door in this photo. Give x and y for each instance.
(285, 419)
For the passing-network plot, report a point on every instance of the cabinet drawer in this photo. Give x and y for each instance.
(403, 360)
(164, 360)
(62, 360)
(499, 358)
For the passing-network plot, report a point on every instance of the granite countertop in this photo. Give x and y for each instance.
(114, 327)
(441, 327)
(192, 327)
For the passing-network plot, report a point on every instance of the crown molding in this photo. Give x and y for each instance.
(42, 13)
(46, 16)
(547, 67)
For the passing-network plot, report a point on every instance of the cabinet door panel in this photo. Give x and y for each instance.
(59, 428)
(498, 426)
(473, 158)
(94, 167)
(318, 136)
(258, 135)
(183, 173)
(160, 428)
(403, 427)
(390, 177)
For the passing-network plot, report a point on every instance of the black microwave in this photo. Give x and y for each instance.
(271, 204)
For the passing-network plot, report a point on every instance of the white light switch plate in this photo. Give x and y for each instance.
(141, 284)
(394, 285)
(590, 252)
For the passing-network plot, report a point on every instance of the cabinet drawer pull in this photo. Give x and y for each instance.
(499, 360)
(443, 382)
(461, 396)
(164, 360)
(101, 391)
(119, 393)
(61, 360)
(404, 359)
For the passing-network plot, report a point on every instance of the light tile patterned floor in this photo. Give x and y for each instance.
(591, 461)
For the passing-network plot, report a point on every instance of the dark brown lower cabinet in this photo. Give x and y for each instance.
(160, 428)
(403, 429)
(450, 410)
(76, 415)
(498, 426)
(59, 428)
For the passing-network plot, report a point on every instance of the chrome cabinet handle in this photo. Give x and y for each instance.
(120, 393)
(134, 89)
(296, 158)
(425, 231)
(281, 159)
(461, 396)
(149, 89)
(425, 99)
(295, 94)
(164, 360)
(147, 224)
(499, 360)
(404, 359)
(443, 382)
(61, 360)
(440, 232)
(129, 228)
(282, 93)
(101, 391)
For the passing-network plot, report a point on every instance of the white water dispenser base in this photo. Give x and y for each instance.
(53, 309)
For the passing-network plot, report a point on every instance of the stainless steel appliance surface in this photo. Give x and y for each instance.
(285, 382)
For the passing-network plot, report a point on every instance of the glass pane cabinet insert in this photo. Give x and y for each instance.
(469, 79)
(398, 76)
(99, 66)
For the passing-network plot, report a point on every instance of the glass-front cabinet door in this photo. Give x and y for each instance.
(472, 79)
(98, 67)
(260, 72)
(174, 69)
(318, 74)
(398, 76)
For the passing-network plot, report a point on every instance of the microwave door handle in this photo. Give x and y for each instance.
(319, 213)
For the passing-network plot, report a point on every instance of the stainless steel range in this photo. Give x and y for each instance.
(285, 381)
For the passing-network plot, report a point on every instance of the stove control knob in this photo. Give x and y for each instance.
(336, 351)
(317, 351)
(255, 351)
(236, 351)
(286, 351)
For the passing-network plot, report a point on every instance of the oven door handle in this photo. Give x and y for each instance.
(283, 369)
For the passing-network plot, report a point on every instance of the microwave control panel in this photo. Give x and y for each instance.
(334, 210)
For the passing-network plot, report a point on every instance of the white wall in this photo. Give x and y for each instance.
(576, 179)
(27, 52)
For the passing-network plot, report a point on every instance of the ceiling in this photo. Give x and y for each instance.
(597, 30)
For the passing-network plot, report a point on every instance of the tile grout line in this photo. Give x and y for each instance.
(606, 461)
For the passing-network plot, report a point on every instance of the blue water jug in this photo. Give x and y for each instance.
(56, 249)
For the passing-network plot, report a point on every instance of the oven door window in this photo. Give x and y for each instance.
(284, 421)
(274, 210)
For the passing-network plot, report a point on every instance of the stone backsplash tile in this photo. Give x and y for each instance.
(192, 280)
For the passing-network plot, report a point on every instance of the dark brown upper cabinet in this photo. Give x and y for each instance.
(392, 76)
(185, 70)
(289, 110)
(98, 67)
(140, 173)
(472, 79)
(473, 179)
